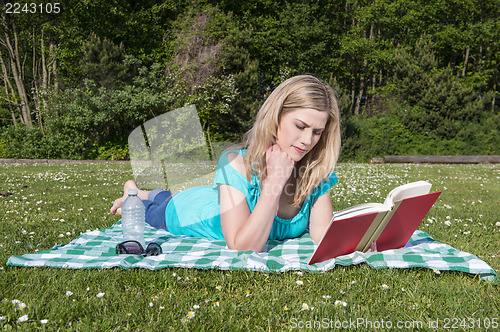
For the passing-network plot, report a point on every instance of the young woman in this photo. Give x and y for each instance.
(275, 186)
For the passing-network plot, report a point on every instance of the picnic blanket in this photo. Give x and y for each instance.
(96, 249)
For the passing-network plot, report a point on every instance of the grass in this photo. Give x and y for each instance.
(48, 204)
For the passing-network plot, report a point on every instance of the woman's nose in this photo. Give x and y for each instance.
(306, 138)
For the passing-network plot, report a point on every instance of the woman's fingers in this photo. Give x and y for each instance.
(279, 164)
(373, 247)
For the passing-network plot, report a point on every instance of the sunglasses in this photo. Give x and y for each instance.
(135, 248)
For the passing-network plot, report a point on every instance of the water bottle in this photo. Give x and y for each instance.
(133, 218)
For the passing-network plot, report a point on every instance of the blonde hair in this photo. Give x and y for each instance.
(303, 91)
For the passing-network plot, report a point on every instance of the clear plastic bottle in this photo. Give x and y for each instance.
(133, 218)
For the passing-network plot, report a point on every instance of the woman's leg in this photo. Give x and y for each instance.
(130, 184)
(155, 203)
(155, 207)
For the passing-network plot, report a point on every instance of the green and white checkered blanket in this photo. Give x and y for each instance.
(96, 249)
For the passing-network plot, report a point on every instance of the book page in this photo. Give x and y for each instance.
(406, 191)
(358, 210)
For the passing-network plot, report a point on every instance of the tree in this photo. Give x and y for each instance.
(437, 101)
(102, 62)
(13, 67)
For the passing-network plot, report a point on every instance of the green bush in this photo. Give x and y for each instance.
(20, 142)
(431, 112)
(94, 122)
(388, 134)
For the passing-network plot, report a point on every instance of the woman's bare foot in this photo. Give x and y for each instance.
(117, 204)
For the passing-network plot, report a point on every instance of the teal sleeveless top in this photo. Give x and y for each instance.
(196, 212)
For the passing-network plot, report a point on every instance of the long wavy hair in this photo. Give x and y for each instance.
(303, 91)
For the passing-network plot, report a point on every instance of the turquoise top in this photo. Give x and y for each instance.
(196, 212)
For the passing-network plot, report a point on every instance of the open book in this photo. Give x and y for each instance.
(389, 224)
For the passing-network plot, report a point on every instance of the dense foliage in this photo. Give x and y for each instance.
(412, 76)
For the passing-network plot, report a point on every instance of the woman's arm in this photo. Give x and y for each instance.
(244, 230)
(250, 231)
(320, 217)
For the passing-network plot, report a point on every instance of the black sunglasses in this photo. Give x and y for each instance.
(135, 248)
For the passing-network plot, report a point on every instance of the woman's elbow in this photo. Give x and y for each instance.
(243, 244)
(242, 247)
(315, 237)
(236, 241)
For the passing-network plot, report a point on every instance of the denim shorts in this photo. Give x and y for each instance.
(155, 207)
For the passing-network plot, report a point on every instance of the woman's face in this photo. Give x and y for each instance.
(299, 131)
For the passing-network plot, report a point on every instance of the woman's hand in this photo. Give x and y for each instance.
(372, 247)
(279, 166)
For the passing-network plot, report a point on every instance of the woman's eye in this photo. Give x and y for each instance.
(317, 133)
(300, 127)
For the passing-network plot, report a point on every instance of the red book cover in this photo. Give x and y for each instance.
(344, 235)
(405, 221)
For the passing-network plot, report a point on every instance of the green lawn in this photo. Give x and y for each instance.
(48, 204)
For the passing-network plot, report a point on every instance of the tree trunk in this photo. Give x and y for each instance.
(353, 94)
(45, 76)
(18, 77)
(494, 96)
(53, 67)
(357, 108)
(36, 95)
(371, 94)
(40, 93)
(16, 67)
(369, 107)
(480, 58)
(466, 61)
(6, 83)
(362, 83)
